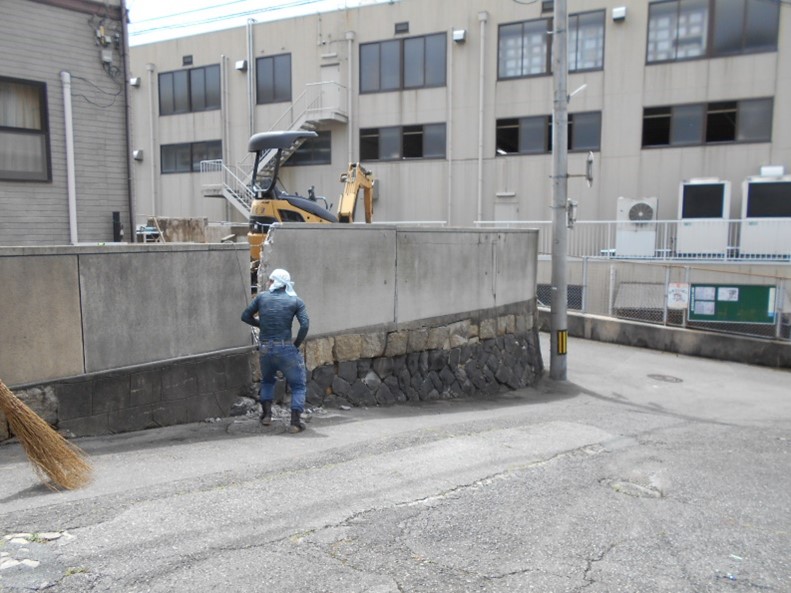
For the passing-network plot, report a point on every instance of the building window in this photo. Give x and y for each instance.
(525, 48)
(749, 120)
(186, 157)
(681, 29)
(585, 131)
(273, 79)
(586, 41)
(744, 26)
(413, 63)
(403, 142)
(677, 30)
(185, 91)
(24, 131)
(533, 135)
(314, 151)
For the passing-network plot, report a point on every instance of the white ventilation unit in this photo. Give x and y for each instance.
(635, 234)
(766, 217)
(703, 210)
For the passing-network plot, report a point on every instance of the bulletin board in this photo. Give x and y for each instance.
(732, 303)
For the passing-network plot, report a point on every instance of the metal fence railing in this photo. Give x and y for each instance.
(748, 239)
(711, 298)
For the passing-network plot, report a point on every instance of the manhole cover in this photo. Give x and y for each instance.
(666, 378)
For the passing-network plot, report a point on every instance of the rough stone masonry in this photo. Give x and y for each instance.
(487, 356)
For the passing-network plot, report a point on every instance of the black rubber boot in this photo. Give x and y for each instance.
(296, 425)
(266, 412)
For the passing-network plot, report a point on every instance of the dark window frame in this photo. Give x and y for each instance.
(503, 138)
(192, 149)
(547, 46)
(404, 139)
(401, 68)
(714, 30)
(279, 88)
(574, 20)
(42, 132)
(745, 46)
(715, 127)
(576, 16)
(189, 99)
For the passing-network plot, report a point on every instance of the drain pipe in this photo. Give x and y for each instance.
(449, 133)
(65, 78)
(224, 133)
(125, 62)
(349, 87)
(250, 89)
(482, 17)
(153, 137)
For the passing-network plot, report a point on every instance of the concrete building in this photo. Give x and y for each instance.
(450, 105)
(64, 165)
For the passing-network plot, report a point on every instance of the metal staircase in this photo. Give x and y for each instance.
(319, 102)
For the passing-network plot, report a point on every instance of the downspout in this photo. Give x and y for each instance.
(153, 138)
(482, 17)
(224, 133)
(65, 78)
(449, 118)
(250, 88)
(349, 92)
(125, 62)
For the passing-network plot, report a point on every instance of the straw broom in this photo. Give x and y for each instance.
(51, 455)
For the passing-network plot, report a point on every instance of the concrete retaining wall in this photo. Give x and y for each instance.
(125, 337)
(371, 275)
(69, 311)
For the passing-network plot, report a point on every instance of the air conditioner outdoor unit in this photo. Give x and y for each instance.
(703, 211)
(766, 217)
(635, 234)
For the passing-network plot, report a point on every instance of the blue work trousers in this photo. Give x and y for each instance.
(284, 357)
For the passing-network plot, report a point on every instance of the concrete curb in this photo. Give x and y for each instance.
(729, 347)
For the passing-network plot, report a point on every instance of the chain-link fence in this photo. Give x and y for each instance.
(752, 300)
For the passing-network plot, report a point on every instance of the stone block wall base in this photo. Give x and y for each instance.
(489, 366)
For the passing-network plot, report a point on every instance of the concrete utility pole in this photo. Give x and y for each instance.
(558, 319)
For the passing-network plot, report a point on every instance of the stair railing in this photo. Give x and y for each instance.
(312, 104)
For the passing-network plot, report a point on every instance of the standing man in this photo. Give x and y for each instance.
(275, 308)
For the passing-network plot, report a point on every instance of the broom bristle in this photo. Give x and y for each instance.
(51, 455)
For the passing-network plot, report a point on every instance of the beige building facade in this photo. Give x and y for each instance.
(64, 162)
(450, 105)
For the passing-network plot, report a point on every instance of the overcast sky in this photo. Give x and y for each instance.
(156, 20)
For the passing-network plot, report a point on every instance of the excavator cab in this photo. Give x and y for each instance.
(271, 204)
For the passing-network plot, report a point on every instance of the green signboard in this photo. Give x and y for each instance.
(732, 303)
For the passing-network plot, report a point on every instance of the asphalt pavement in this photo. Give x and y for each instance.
(644, 472)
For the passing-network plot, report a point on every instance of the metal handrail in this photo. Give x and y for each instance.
(235, 185)
(754, 239)
(216, 175)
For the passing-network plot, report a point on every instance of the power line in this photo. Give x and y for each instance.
(215, 19)
(182, 13)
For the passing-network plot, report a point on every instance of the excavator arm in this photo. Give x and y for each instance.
(355, 179)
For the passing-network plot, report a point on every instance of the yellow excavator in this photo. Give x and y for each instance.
(271, 204)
